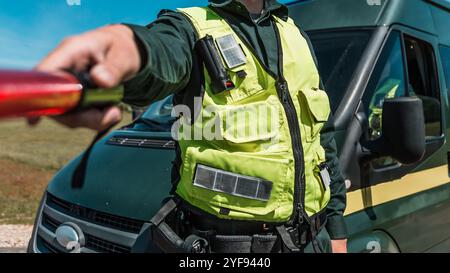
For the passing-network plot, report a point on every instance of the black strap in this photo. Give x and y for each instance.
(167, 239)
(79, 174)
(231, 243)
(287, 239)
(165, 210)
(265, 244)
(244, 244)
(305, 232)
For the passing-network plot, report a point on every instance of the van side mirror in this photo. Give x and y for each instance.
(403, 131)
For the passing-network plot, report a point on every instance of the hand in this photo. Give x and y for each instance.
(112, 55)
(94, 119)
(339, 246)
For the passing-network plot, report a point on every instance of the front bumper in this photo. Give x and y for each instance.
(103, 233)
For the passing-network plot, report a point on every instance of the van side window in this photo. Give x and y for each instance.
(387, 81)
(423, 82)
(445, 56)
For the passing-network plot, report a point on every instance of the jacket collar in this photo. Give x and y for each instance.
(272, 6)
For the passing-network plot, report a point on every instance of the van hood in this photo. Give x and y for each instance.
(124, 176)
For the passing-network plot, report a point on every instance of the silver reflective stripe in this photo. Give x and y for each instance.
(231, 51)
(326, 179)
(232, 183)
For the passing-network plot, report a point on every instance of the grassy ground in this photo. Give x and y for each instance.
(28, 159)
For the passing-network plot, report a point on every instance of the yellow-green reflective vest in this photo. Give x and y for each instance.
(258, 174)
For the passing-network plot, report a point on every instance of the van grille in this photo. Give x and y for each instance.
(96, 217)
(100, 245)
(92, 242)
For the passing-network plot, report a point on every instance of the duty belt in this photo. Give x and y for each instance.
(176, 230)
(229, 227)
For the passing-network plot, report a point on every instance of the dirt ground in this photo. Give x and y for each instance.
(29, 157)
(22, 187)
(14, 238)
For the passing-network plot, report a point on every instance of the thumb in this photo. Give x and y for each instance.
(33, 121)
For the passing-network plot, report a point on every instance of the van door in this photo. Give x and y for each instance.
(408, 202)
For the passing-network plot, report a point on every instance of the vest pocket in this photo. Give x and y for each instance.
(314, 113)
(243, 87)
(269, 170)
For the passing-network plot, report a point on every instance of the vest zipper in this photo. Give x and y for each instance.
(299, 214)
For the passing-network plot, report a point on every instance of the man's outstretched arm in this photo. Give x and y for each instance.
(154, 61)
(166, 48)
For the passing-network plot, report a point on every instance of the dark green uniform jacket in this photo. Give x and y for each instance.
(167, 50)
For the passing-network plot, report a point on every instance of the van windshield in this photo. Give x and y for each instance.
(157, 118)
(338, 53)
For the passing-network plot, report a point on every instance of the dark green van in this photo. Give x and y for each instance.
(369, 52)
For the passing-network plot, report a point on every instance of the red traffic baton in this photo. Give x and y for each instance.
(34, 94)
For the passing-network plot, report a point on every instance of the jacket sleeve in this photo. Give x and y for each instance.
(335, 210)
(166, 47)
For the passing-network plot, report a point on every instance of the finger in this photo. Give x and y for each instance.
(75, 52)
(111, 116)
(113, 70)
(94, 119)
(122, 61)
(33, 121)
(103, 75)
(66, 55)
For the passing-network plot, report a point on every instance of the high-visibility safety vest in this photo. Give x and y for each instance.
(271, 173)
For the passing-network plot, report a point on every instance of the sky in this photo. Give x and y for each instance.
(29, 29)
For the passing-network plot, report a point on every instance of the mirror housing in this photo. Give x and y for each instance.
(403, 131)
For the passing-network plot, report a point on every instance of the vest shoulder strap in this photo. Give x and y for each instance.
(203, 19)
(288, 25)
